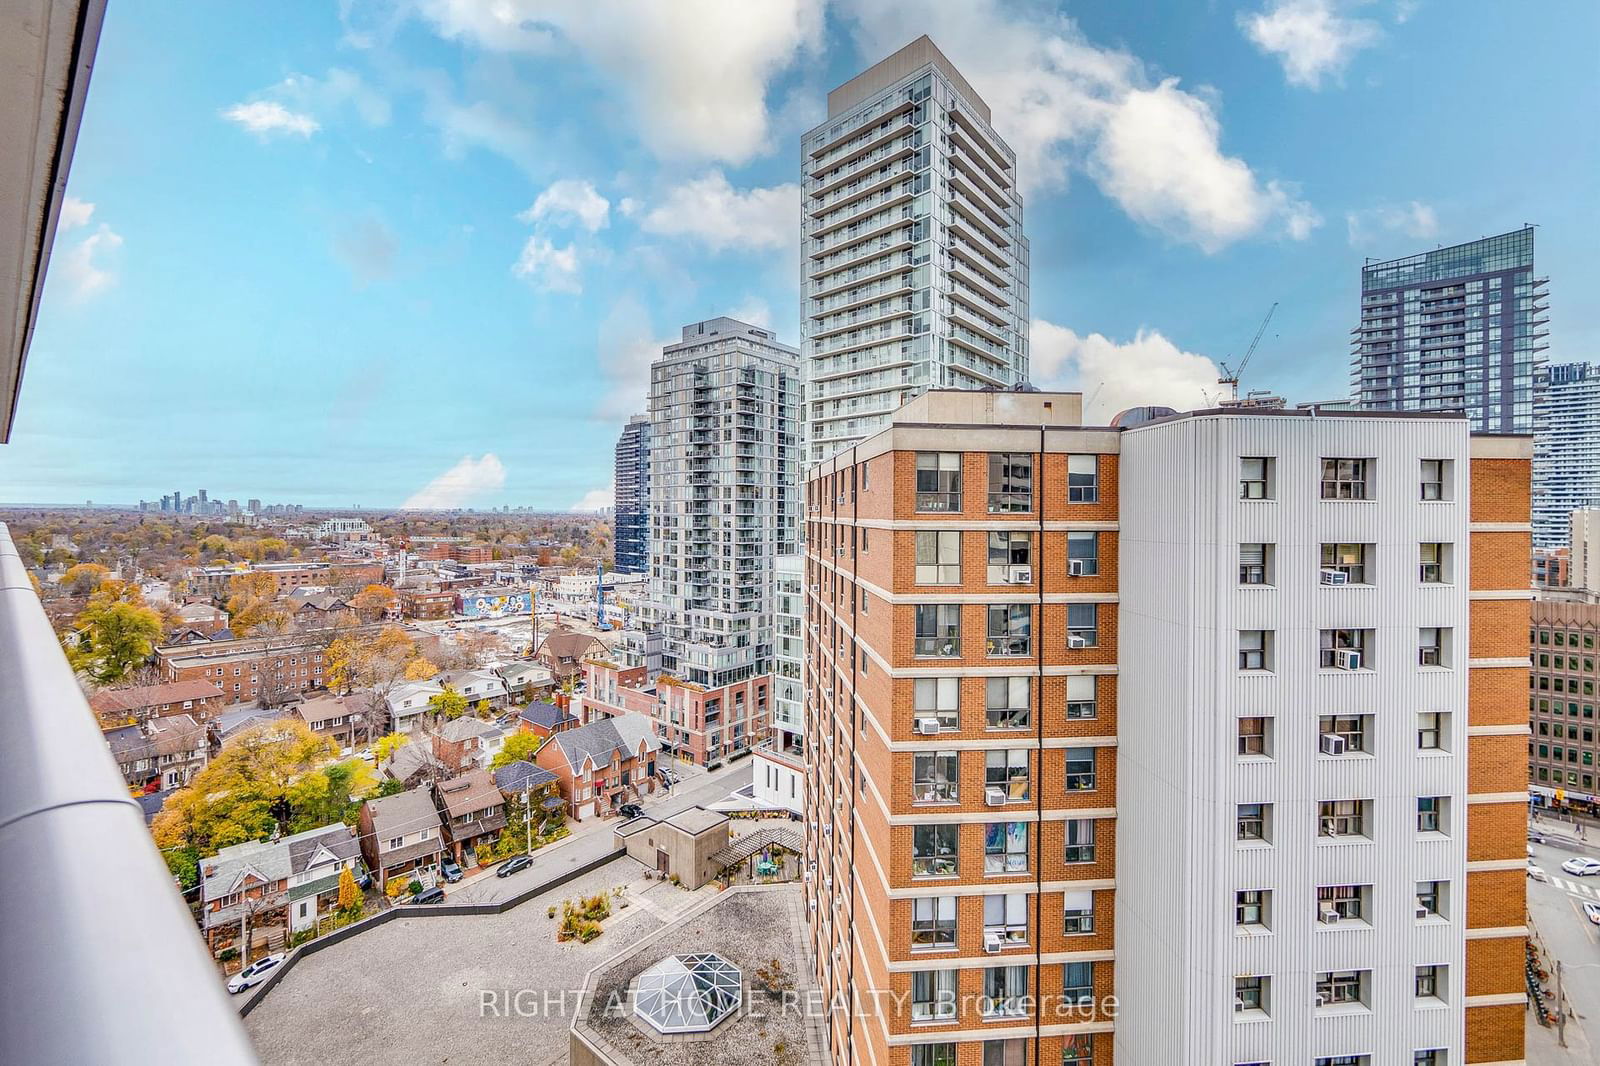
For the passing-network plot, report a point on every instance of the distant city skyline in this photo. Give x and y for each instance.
(433, 254)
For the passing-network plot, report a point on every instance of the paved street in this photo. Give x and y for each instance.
(592, 839)
(1556, 911)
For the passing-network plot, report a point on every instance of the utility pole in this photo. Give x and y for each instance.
(527, 818)
(1561, 1009)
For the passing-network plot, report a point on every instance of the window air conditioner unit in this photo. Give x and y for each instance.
(1422, 912)
(928, 726)
(991, 943)
(1021, 575)
(827, 830)
(1347, 659)
(1322, 1000)
(1335, 577)
(994, 797)
(1329, 827)
(1074, 641)
(1331, 744)
(1328, 913)
(1075, 567)
(1238, 1004)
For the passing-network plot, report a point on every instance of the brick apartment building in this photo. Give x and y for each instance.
(700, 725)
(1093, 711)
(119, 706)
(248, 669)
(213, 580)
(427, 604)
(1561, 702)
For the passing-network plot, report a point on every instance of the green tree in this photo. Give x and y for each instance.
(518, 746)
(113, 639)
(184, 864)
(449, 703)
(390, 786)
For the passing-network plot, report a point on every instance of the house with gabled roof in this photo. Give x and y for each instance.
(401, 833)
(274, 887)
(526, 679)
(478, 686)
(604, 764)
(472, 808)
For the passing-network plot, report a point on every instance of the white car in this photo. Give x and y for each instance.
(255, 973)
(1591, 911)
(1536, 873)
(1581, 867)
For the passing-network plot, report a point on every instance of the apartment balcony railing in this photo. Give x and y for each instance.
(88, 900)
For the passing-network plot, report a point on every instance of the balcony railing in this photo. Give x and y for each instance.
(87, 899)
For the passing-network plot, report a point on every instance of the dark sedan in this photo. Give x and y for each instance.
(511, 866)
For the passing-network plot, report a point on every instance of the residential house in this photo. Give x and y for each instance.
(401, 834)
(408, 702)
(478, 686)
(526, 680)
(160, 753)
(237, 719)
(117, 706)
(341, 718)
(274, 887)
(545, 719)
(564, 650)
(204, 617)
(473, 809)
(522, 776)
(467, 743)
(414, 764)
(603, 764)
(320, 610)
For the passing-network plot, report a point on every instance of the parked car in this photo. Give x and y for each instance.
(452, 872)
(429, 895)
(255, 973)
(1591, 911)
(631, 810)
(1581, 867)
(511, 866)
(1536, 873)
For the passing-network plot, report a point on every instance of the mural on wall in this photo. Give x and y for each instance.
(494, 605)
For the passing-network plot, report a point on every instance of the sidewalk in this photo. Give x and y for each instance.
(1543, 1050)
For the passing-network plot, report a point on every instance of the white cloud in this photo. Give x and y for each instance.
(1067, 105)
(74, 213)
(626, 347)
(597, 499)
(368, 248)
(547, 266)
(570, 200)
(1415, 220)
(755, 311)
(340, 88)
(265, 118)
(1310, 38)
(1114, 376)
(84, 264)
(467, 481)
(713, 212)
(694, 73)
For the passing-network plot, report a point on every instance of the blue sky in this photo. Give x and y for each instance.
(372, 253)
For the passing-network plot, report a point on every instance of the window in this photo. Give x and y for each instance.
(1007, 702)
(1077, 983)
(933, 995)
(1253, 822)
(395, 842)
(1010, 629)
(1433, 479)
(1430, 814)
(1253, 736)
(933, 922)
(935, 777)
(1083, 478)
(1430, 899)
(1431, 1057)
(1347, 559)
(1255, 649)
(1005, 991)
(1077, 1049)
(1080, 840)
(1344, 1060)
(1340, 987)
(938, 557)
(1253, 568)
(1431, 559)
(1250, 908)
(1010, 482)
(1341, 818)
(938, 482)
(1005, 915)
(1081, 696)
(1255, 478)
(1431, 646)
(1344, 649)
(1005, 1052)
(1080, 776)
(1009, 552)
(941, 1054)
(938, 630)
(1079, 913)
(1007, 770)
(1083, 553)
(1430, 982)
(1083, 625)
(1351, 731)
(1345, 479)
(1338, 903)
(1005, 848)
(933, 850)
(1250, 994)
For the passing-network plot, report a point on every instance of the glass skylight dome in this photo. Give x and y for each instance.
(687, 993)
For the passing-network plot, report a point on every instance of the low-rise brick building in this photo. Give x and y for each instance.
(124, 706)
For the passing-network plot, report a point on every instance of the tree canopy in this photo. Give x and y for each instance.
(518, 746)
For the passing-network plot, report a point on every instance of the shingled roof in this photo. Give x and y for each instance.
(600, 742)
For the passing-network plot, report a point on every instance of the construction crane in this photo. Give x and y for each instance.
(1230, 378)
